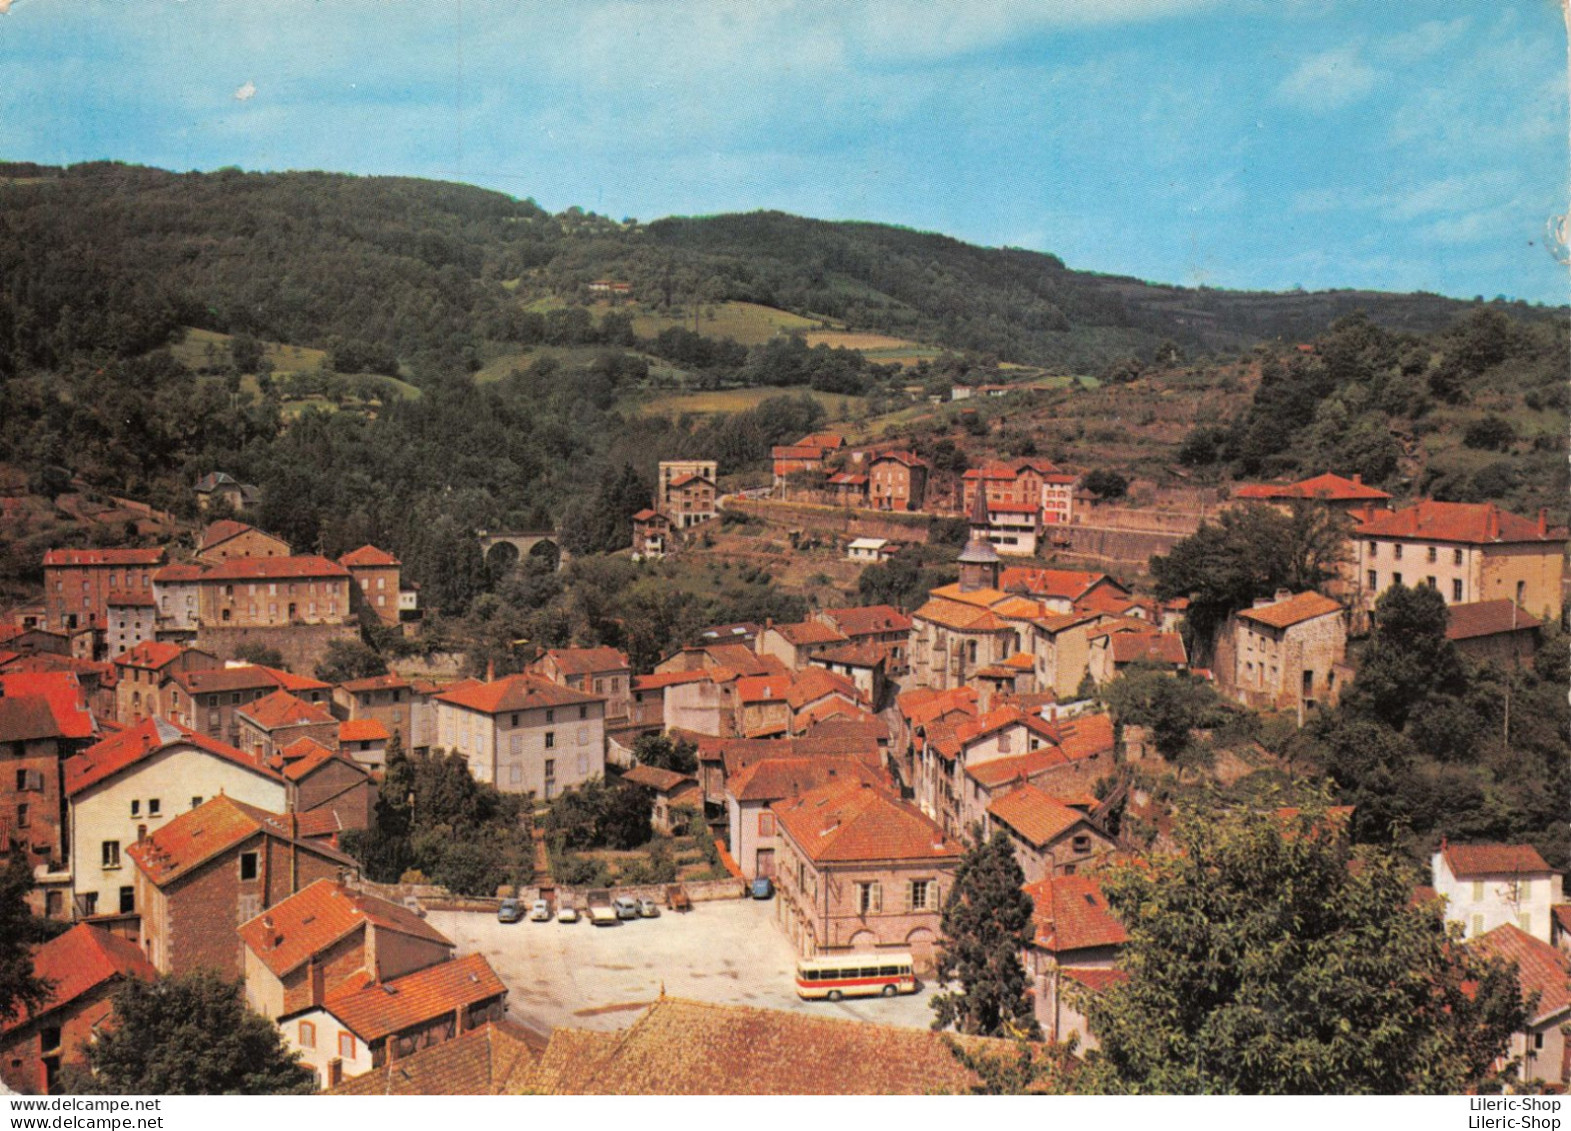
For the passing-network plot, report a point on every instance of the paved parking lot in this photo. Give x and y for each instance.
(587, 977)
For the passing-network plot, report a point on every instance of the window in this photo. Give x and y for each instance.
(516, 746)
(1432, 554)
(49, 1038)
(1456, 590)
(346, 1046)
(869, 898)
(1521, 591)
(1396, 579)
(920, 895)
(599, 687)
(583, 765)
(515, 774)
(550, 740)
(550, 769)
(766, 823)
(111, 854)
(1430, 581)
(515, 721)
(1478, 925)
(1524, 920)
(550, 716)
(23, 817)
(89, 902)
(136, 807)
(1396, 551)
(1456, 557)
(248, 868)
(583, 712)
(1478, 890)
(155, 807)
(307, 1038)
(1373, 582)
(1374, 549)
(196, 802)
(127, 900)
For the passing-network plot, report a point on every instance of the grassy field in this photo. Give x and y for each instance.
(744, 322)
(503, 364)
(837, 406)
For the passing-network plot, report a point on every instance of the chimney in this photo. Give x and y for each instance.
(1494, 523)
(1358, 478)
(490, 671)
(318, 990)
(1283, 594)
(1543, 522)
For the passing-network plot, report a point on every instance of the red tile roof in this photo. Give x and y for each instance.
(299, 768)
(270, 569)
(362, 730)
(1295, 610)
(150, 654)
(796, 451)
(846, 479)
(180, 571)
(773, 779)
(1065, 584)
(1330, 487)
(27, 718)
(1072, 914)
(683, 1047)
(762, 689)
(516, 693)
(1021, 767)
(1038, 816)
(137, 743)
(303, 748)
(922, 705)
(281, 709)
(830, 440)
(1469, 860)
(856, 822)
(869, 655)
(1084, 736)
(684, 480)
(814, 683)
(367, 556)
(660, 680)
(212, 828)
(1488, 618)
(810, 632)
(244, 677)
(103, 557)
(588, 661)
(62, 690)
(376, 683)
(868, 620)
(497, 1059)
(382, 1009)
(294, 930)
(1541, 968)
(907, 459)
(646, 514)
(1148, 648)
(1096, 978)
(80, 960)
(657, 779)
(222, 531)
(1470, 523)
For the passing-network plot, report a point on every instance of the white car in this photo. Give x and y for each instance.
(539, 911)
(567, 913)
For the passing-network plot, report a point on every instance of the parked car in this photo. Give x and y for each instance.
(567, 913)
(763, 888)
(510, 911)
(625, 907)
(648, 909)
(540, 912)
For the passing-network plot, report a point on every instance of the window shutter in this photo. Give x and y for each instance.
(910, 895)
(877, 896)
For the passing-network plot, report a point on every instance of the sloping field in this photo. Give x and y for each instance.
(744, 322)
(740, 400)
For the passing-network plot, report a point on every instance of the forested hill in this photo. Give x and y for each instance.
(427, 276)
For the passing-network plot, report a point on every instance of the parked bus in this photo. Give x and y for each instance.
(855, 975)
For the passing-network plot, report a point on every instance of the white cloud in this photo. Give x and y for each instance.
(1329, 80)
(246, 92)
(1424, 40)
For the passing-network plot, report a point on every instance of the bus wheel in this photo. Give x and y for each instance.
(834, 995)
(888, 991)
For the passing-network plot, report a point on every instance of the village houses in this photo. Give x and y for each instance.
(525, 734)
(1486, 885)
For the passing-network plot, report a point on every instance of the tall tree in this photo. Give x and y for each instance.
(189, 1035)
(987, 924)
(1264, 958)
(20, 989)
(1408, 657)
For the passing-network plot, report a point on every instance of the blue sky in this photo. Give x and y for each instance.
(1391, 144)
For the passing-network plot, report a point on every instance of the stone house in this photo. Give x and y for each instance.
(1349, 496)
(672, 470)
(1074, 948)
(690, 501)
(366, 1025)
(883, 625)
(671, 791)
(763, 709)
(525, 734)
(1468, 551)
(651, 534)
(376, 577)
(1058, 498)
(1487, 885)
(1117, 645)
(326, 782)
(132, 784)
(211, 869)
(222, 488)
(387, 699)
(309, 945)
(1544, 974)
(1282, 654)
(208, 700)
(78, 584)
(594, 671)
(1500, 632)
(848, 489)
(132, 619)
(176, 590)
(145, 675)
(897, 481)
(83, 967)
(1059, 590)
(860, 872)
(364, 741)
(794, 644)
(862, 664)
(279, 720)
(1051, 837)
(274, 592)
(752, 826)
(227, 539)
